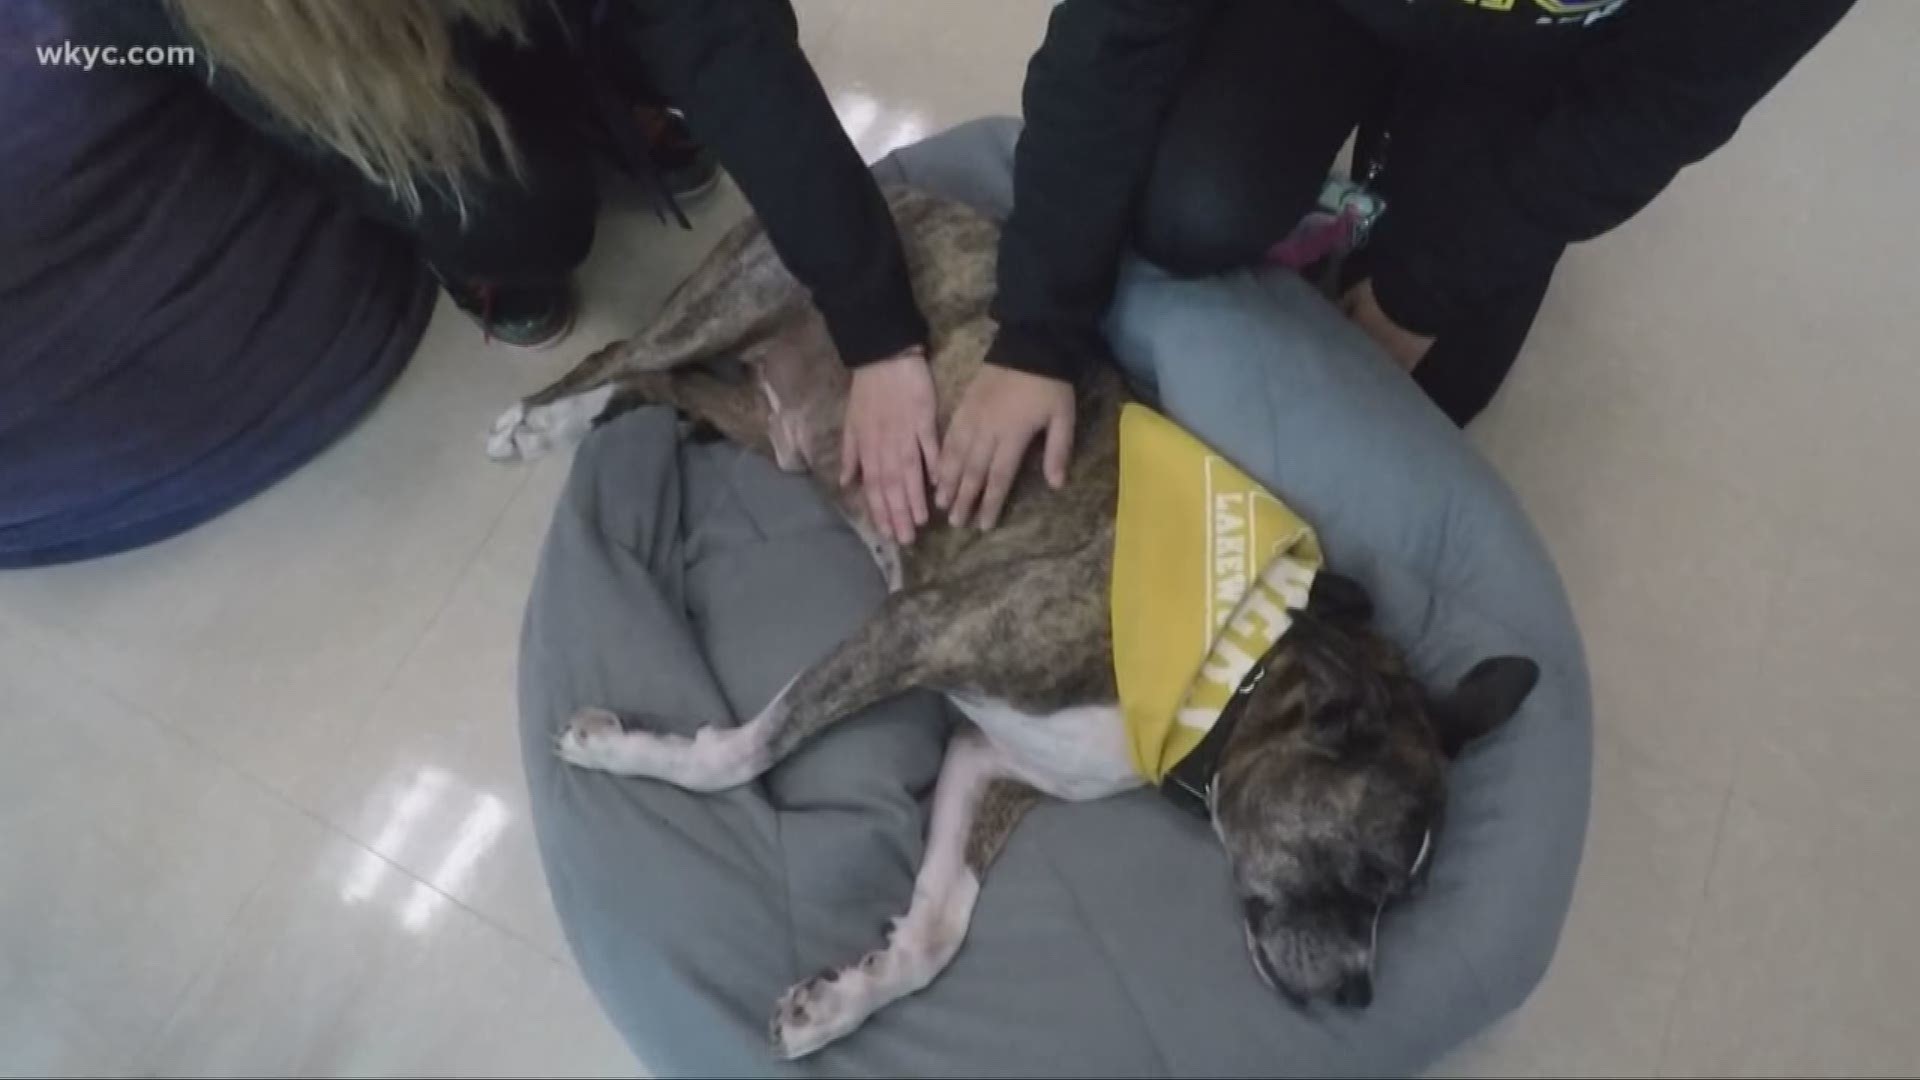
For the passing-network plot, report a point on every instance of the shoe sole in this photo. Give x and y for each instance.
(700, 190)
(560, 334)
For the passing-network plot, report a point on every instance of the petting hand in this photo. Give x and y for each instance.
(889, 441)
(1406, 347)
(998, 417)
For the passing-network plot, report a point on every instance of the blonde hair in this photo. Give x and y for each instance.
(378, 81)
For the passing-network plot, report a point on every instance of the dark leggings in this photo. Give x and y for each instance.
(1274, 94)
(516, 234)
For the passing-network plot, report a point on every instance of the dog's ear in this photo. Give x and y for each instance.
(1338, 598)
(1487, 697)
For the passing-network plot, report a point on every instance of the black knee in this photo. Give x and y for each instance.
(1195, 224)
(1268, 100)
(1217, 201)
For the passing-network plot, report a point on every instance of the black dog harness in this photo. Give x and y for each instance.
(1189, 784)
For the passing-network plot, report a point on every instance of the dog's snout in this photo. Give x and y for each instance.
(1356, 992)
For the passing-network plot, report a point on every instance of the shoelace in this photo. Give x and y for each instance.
(486, 311)
(612, 107)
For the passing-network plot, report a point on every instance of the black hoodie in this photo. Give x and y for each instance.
(1650, 86)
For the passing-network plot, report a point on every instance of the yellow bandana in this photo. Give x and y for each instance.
(1206, 564)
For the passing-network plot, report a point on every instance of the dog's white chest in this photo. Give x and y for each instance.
(1075, 754)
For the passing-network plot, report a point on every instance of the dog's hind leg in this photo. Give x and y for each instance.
(736, 296)
(527, 431)
(740, 298)
(562, 414)
(783, 399)
(975, 808)
(904, 645)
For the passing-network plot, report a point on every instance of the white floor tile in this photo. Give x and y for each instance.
(125, 851)
(44, 1035)
(433, 779)
(1605, 1000)
(1804, 958)
(638, 257)
(343, 964)
(1674, 575)
(905, 69)
(1837, 732)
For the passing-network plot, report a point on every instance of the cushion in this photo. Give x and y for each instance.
(688, 582)
(188, 318)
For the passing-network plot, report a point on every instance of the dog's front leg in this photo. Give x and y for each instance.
(975, 807)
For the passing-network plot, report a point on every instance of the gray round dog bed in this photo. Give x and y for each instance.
(688, 582)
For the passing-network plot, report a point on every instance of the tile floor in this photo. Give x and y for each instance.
(253, 821)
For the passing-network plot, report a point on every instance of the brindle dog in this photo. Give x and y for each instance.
(1327, 790)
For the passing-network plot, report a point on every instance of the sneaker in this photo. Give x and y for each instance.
(688, 169)
(534, 318)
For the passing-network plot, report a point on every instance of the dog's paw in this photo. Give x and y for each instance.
(712, 760)
(592, 739)
(525, 432)
(512, 440)
(816, 1012)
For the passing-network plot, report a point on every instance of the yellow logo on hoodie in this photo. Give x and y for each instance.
(1206, 564)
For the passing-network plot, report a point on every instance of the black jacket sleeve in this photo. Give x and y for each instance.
(735, 68)
(1095, 95)
(1671, 87)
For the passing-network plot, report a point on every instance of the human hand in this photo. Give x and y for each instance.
(889, 441)
(1363, 308)
(998, 416)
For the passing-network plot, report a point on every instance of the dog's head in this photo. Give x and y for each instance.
(1329, 792)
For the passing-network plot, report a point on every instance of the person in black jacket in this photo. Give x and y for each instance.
(1199, 132)
(469, 124)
